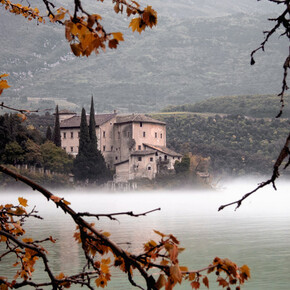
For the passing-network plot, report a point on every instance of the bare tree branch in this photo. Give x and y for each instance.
(284, 153)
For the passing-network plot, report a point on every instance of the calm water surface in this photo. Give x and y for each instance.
(257, 234)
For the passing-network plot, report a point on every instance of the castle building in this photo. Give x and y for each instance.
(134, 145)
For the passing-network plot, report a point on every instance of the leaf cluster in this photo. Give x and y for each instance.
(100, 252)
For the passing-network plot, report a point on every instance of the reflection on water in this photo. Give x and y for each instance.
(256, 234)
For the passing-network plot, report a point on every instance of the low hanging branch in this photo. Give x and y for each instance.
(285, 152)
(111, 215)
(96, 245)
(282, 22)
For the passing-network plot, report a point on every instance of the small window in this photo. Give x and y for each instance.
(165, 157)
(104, 148)
(161, 135)
(144, 134)
(112, 148)
(149, 167)
(71, 149)
(128, 134)
(141, 124)
(104, 134)
(155, 134)
(64, 148)
(139, 147)
(72, 134)
(78, 134)
(139, 158)
(119, 135)
(116, 157)
(64, 135)
(151, 159)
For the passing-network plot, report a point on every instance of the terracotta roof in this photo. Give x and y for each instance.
(67, 112)
(75, 121)
(143, 152)
(137, 118)
(164, 150)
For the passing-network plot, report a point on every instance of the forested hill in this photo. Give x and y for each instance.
(237, 145)
(257, 106)
(198, 50)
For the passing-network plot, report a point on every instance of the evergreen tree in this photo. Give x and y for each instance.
(98, 169)
(56, 133)
(90, 164)
(81, 166)
(92, 124)
(84, 134)
(48, 134)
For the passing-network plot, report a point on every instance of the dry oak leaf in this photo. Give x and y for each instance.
(205, 282)
(195, 285)
(175, 273)
(245, 272)
(101, 281)
(113, 43)
(191, 276)
(118, 36)
(150, 16)
(4, 84)
(161, 282)
(137, 24)
(22, 201)
(222, 282)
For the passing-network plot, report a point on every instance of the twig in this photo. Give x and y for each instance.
(284, 153)
(111, 215)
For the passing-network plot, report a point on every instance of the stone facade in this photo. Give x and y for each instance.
(134, 145)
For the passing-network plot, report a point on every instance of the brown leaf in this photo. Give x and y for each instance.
(173, 254)
(75, 47)
(191, 276)
(22, 201)
(205, 282)
(222, 282)
(175, 273)
(161, 282)
(118, 36)
(113, 43)
(195, 285)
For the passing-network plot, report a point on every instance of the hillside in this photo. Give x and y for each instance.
(236, 145)
(199, 49)
(257, 106)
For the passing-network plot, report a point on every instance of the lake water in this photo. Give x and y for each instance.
(257, 234)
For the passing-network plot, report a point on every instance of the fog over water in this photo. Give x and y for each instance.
(256, 234)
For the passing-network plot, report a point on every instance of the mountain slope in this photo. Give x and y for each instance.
(183, 60)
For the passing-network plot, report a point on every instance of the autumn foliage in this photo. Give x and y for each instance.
(84, 30)
(101, 253)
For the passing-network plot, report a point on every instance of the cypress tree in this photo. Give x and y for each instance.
(98, 169)
(84, 134)
(81, 165)
(48, 134)
(90, 164)
(92, 124)
(56, 132)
